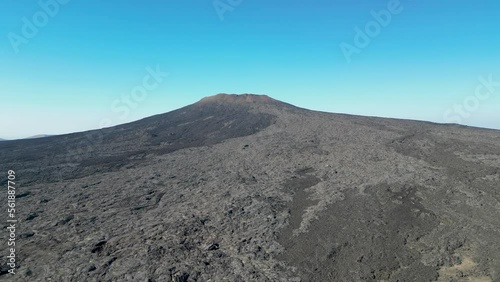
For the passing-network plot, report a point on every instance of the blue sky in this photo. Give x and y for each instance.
(79, 63)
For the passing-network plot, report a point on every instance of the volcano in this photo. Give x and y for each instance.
(249, 188)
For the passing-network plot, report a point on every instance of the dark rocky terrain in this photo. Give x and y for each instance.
(247, 188)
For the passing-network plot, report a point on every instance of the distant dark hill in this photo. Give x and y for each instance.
(39, 136)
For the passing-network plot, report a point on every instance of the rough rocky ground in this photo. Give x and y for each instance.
(246, 188)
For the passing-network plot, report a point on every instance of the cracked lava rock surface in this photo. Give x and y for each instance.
(248, 188)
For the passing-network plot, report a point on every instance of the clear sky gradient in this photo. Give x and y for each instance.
(71, 65)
